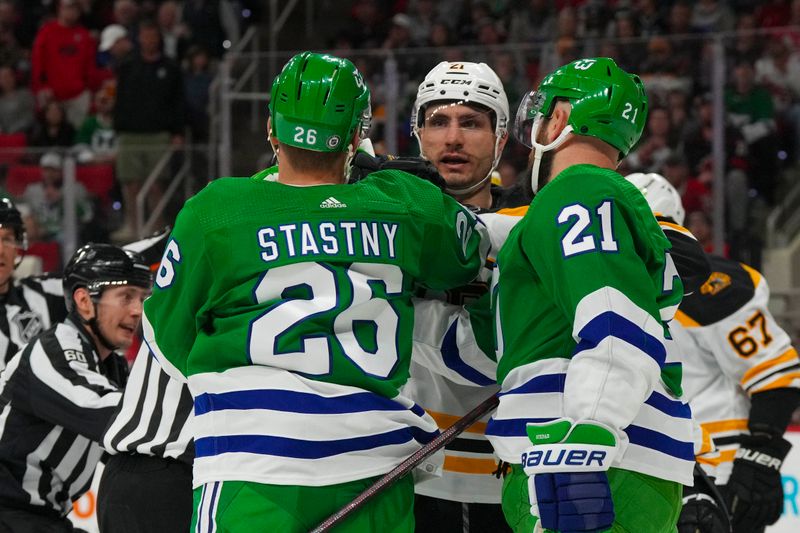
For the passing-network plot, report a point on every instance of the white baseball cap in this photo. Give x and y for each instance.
(111, 34)
(51, 160)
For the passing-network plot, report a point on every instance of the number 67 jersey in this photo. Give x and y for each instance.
(288, 311)
(732, 349)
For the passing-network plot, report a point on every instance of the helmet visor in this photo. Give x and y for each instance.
(530, 109)
(366, 121)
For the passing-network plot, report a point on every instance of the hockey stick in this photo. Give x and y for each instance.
(406, 466)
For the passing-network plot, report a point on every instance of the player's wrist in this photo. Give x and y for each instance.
(564, 445)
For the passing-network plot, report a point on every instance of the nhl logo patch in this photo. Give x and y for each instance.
(29, 324)
(333, 141)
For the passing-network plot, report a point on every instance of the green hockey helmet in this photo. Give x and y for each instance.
(606, 103)
(318, 102)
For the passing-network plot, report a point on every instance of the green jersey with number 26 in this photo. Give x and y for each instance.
(288, 311)
(315, 280)
(583, 291)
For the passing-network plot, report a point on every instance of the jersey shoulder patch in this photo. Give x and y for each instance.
(729, 287)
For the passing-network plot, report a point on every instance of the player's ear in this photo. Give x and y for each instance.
(558, 121)
(269, 137)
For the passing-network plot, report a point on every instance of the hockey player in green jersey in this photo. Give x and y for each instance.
(285, 302)
(589, 415)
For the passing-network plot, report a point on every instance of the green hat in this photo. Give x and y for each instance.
(607, 102)
(317, 103)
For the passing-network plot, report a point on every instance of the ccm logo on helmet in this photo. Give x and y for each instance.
(563, 457)
(456, 82)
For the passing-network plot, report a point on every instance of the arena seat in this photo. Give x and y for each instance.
(12, 147)
(20, 176)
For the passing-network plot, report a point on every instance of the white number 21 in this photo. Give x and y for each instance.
(577, 240)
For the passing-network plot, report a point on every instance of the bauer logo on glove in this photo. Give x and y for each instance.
(564, 446)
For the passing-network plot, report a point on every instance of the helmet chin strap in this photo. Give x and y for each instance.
(539, 149)
(94, 327)
(347, 160)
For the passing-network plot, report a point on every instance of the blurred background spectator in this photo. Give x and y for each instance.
(147, 127)
(96, 140)
(63, 63)
(17, 108)
(52, 129)
(45, 201)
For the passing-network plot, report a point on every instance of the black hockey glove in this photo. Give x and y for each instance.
(365, 164)
(754, 493)
(703, 509)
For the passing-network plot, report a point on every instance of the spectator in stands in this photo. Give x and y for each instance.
(63, 63)
(712, 16)
(563, 51)
(631, 53)
(423, 18)
(682, 121)
(697, 141)
(532, 22)
(45, 199)
(567, 23)
(212, 22)
(650, 17)
(676, 171)
(13, 37)
(747, 44)
(472, 14)
(115, 45)
(174, 33)
(593, 16)
(779, 72)
(146, 127)
(657, 144)
(9, 19)
(751, 110)
(702, 227)
(17, 108)
(368, 27)
(126, 14)
(96, 141)
(52, 128)
(685, 51)
(197, 81)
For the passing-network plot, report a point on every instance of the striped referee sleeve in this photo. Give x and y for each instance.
(153, 417)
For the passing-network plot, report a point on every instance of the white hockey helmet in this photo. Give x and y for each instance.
(660, 195)
(462, 82)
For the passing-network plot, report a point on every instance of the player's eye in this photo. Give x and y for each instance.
(437, 121)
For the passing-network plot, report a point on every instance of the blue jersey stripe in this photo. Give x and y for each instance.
(654, 440)
(452, 358)
(306, 449)
(610, 324)
(294, 402)
(512, 427)
(675, 408)
(540, 384)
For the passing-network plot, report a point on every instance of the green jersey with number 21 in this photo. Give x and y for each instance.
(584, 289)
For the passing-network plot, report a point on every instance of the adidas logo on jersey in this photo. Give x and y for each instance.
(331, 202)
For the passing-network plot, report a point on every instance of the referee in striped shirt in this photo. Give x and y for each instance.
(28, 306)
(146, 485)
(59, 392)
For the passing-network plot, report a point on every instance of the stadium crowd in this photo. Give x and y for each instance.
(72, 74)
(667, 43)
(114, 83)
